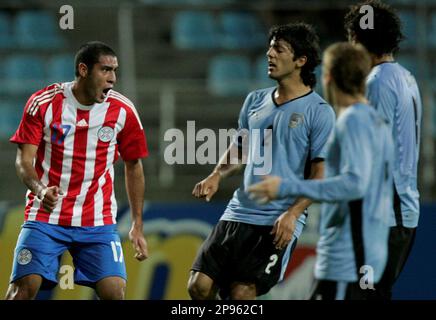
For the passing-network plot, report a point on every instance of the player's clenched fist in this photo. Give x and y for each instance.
(207, 187)
(49, 197)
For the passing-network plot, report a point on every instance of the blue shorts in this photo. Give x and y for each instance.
(96, 252)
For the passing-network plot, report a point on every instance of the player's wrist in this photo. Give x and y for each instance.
(217, 173)
(295, 212)
(41, 193)
(137, 224)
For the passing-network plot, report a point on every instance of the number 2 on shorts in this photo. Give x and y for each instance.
(274, 258)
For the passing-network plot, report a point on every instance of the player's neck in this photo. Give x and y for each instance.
(78, 90)
(388, 57)
(289, 89)
(345, 100)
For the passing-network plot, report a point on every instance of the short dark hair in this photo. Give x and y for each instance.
(305, 42)
(386, 35)
(90, 52)
(349, 65)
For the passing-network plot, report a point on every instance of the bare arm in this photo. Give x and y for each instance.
(26, 154)
(25, 170)
(229, 164)
(135, 187)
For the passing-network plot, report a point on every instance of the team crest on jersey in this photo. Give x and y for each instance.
(296, 120)
(105, 134)
(24, 257)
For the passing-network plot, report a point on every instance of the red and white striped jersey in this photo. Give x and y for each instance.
(77, 147)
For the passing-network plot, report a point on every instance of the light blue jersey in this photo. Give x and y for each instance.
(300, 130)
(393, 91)
(357, 192)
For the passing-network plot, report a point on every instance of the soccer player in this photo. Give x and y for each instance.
(393, 91)
(357, 189)
(69, 137)
(248, 250)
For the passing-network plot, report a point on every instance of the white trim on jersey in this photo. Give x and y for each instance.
(126, 101)
(42, 98)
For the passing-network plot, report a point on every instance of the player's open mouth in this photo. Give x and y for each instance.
(105, 91)
(271, 65)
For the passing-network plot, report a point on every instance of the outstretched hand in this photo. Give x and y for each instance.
(265, 190)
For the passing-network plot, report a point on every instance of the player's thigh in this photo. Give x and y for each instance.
(200, 278)
(25, 288)
(111, 288)
(200, 285)
(97, 255)
(38, 251)
(243, 291)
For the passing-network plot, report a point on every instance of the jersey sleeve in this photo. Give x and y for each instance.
(132, 143)
(31, 127)
(355, 169)
(243, 121)
(322, 127)
(384, 101)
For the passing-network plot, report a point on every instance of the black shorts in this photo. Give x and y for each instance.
(340, 290)
(401, 241)
(240, 252)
